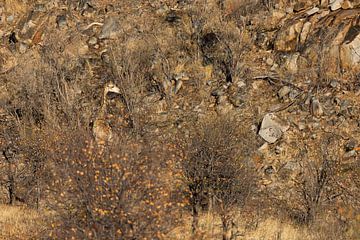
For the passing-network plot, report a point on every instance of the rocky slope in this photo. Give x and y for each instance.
(289, 70)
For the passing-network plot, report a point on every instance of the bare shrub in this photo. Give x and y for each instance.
(323, 182)
(217, 173)
(121, 193)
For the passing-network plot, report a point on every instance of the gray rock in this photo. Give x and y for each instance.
(10, 19)
(109, 29)
(350, 145)
(334, 84)
(315, 107)
(293, 94)
(285, 90)
(269, 170)
(218, 92)
(61, 21)
(350, 154)
(272, 128)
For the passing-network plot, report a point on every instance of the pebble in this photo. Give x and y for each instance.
(312, 11)
(315, 107)
(334, 83)
(61, 21)
(285, 90)
(350, 154)
(269, 61)
(269, 170)
(293, 94)
(278, 150)
(10, 19)
(350, 145)
(92, 41)
(23, 48)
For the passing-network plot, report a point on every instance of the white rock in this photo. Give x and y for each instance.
(270, 134)
(272, 128)
(305, 32)
(312, 11)
(335, 4)
(350, 53)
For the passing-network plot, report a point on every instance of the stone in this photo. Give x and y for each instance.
(178, 85)
(269, 61)
(292, 62)
(312, 11)
(240, 84)
(301, 126)
(284, 91)
(350, 50)
(236, 100)
(109, 29)
(272, 128)
(10, 19)
(347, 5)
(23, 48)
(305, 32)
(324, 3)
(335, 4)
(350, 145)
(269, 170)
(92, 41)
(315, 107)
(287, 40)
(293, 94)
(61, 21)
(350, 154)
(278, 150)
(334, 83)
(289, 10)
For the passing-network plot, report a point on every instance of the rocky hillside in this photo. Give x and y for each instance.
(288, 72)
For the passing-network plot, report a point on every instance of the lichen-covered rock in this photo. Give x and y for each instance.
(272, 128)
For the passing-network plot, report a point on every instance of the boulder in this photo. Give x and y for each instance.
(272, 128)
(335, 4)
(350, 49)
(110, 28)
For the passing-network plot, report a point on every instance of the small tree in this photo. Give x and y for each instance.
(216, 171)
(122, 192)
(324, 180)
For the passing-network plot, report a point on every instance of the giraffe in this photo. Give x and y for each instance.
(101, 128)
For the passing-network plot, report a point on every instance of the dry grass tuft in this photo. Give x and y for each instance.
(18, 222)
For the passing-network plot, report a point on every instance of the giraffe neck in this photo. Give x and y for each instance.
(102, 111)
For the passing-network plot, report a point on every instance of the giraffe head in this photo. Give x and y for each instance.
(111, 88)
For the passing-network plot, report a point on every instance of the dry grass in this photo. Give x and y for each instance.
(18, 222)
(266, 228)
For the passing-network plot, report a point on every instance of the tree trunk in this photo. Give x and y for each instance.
(11, 189)
(195, 220)
(227, 227)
